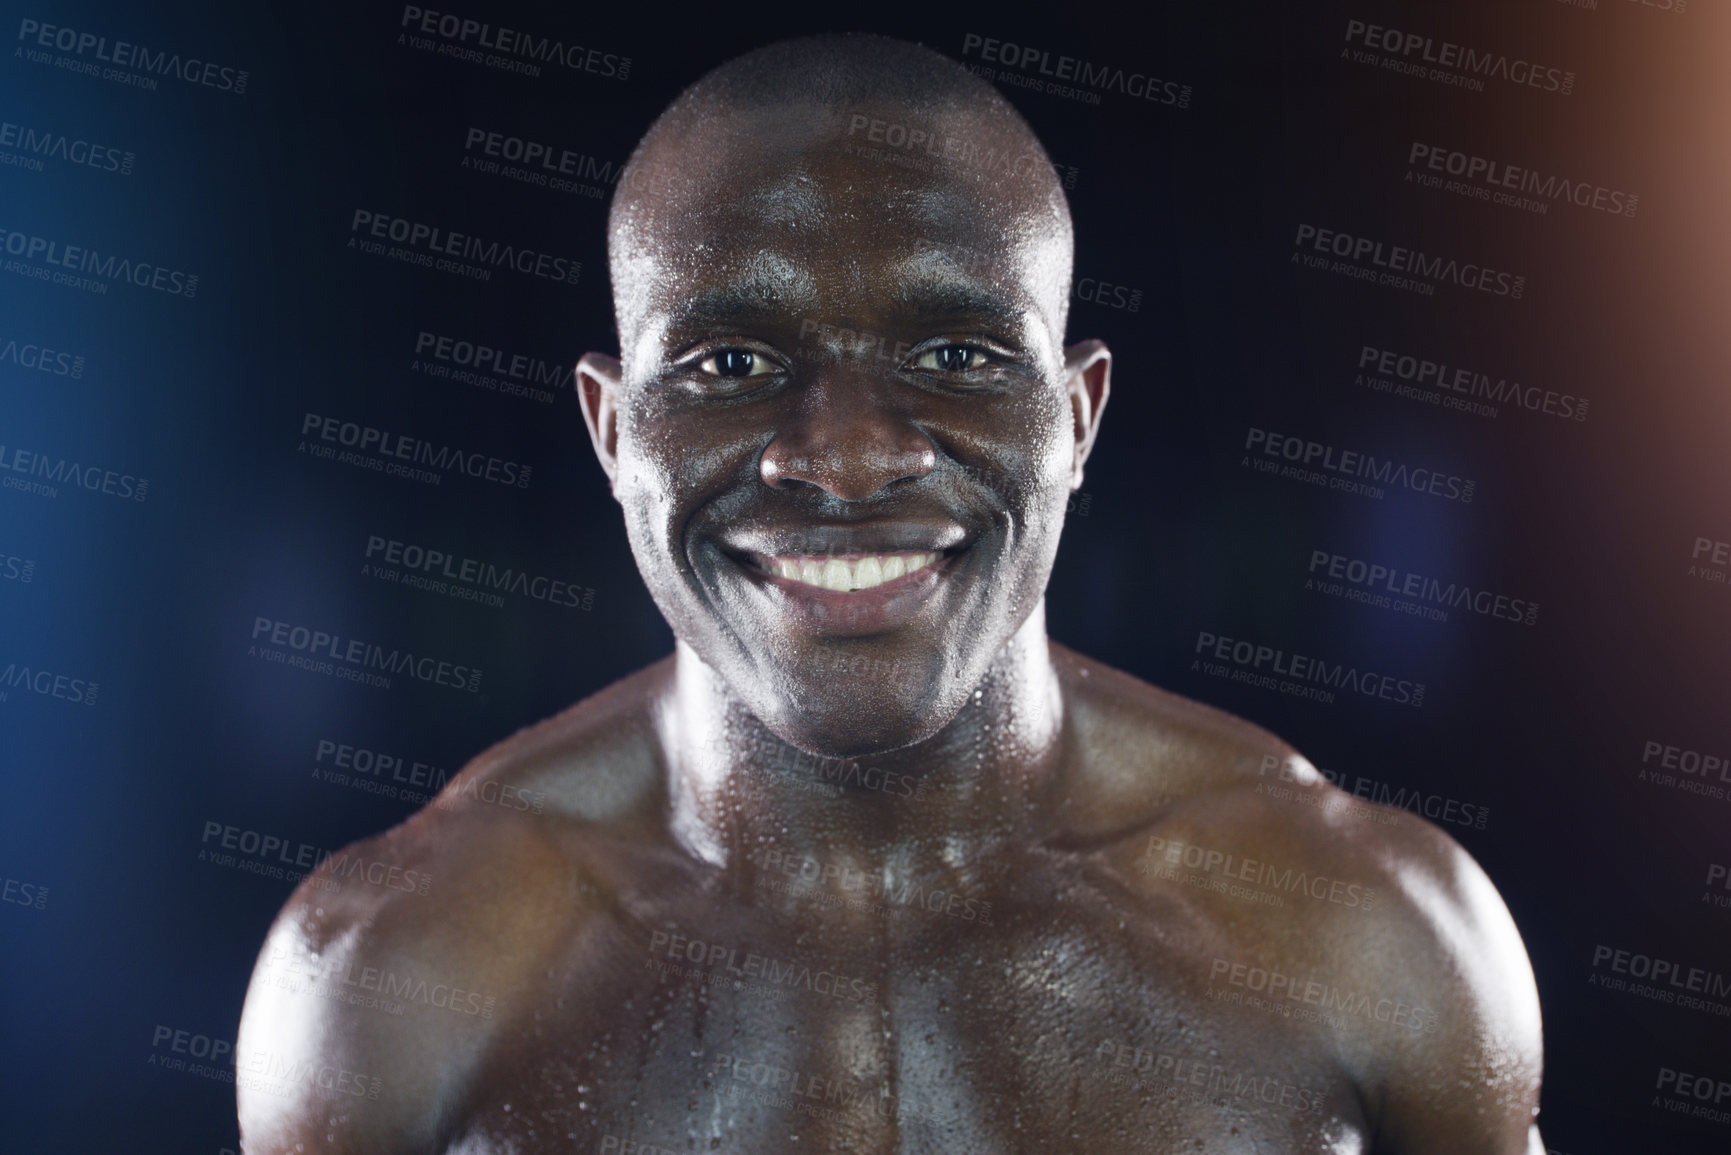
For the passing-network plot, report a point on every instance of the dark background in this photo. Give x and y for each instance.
(1541, 728)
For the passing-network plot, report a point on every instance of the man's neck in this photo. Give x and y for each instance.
(741, 795)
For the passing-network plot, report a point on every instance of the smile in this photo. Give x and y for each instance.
(847, 572)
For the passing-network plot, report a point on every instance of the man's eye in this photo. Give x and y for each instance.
(951, 359)
(736, 363)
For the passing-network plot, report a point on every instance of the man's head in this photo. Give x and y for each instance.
(841, 269)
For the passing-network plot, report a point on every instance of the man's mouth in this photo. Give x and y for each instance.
(846, 573)
(849, 581)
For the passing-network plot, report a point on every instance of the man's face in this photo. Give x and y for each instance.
(836, 367)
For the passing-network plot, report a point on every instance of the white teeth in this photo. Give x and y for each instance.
(835, 574)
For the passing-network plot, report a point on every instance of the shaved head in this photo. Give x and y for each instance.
(917, 127)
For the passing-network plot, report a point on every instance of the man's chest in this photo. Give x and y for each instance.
(1049, 1026)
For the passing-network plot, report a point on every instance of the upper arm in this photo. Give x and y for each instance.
(321, 1061)
(1470, 1080)
(381, 991)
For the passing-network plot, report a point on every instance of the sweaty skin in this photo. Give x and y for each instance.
(878, 870)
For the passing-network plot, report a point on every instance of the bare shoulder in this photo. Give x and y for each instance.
(1138, 751)
(1369, 920)
(596, 762)
(399, 963)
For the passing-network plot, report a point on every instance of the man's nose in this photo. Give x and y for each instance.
(847, 438)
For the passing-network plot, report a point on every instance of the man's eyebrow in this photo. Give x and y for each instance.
(772, 289)
(933, 292)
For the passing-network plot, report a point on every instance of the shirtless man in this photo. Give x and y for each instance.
(868, 863)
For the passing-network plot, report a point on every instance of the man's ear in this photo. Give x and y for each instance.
(598, 382)
(1088, 365)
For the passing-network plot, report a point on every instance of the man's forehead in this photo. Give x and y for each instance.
(793, 208)
(930, 283)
